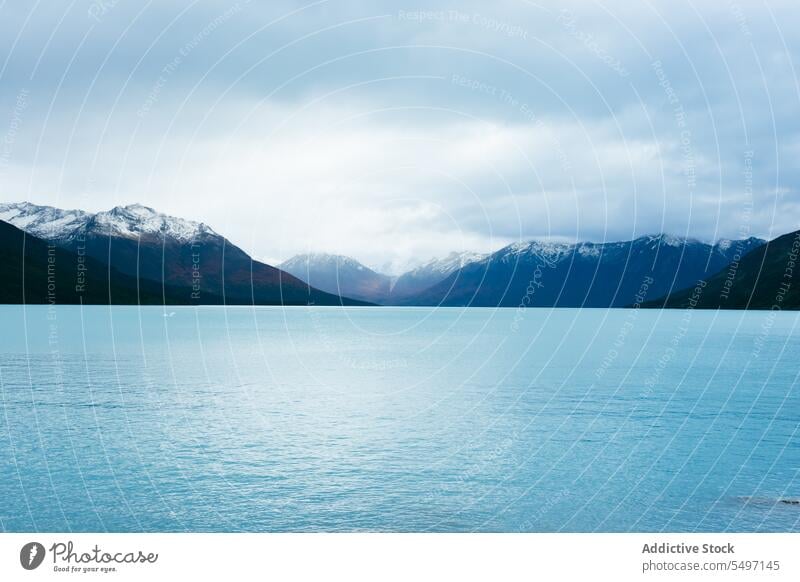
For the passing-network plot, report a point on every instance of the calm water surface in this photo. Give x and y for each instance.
(397, 419)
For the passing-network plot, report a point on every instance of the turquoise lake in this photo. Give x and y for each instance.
(154, 419)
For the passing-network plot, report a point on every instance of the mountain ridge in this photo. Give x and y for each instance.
(139, 242)
(583, 274)
(130, 221)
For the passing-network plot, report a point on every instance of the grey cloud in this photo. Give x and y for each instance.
(597, 121)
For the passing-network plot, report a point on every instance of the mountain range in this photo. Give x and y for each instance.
(133, 254)
(613, 274)
(136, 243)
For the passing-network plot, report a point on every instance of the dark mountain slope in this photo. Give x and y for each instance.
(36, 271)
(211, 265)
(766, 278)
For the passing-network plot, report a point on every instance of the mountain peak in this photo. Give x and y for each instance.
(135, 209)
(322, 260)
(339, 275)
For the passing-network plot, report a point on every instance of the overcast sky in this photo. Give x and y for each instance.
(394, 132)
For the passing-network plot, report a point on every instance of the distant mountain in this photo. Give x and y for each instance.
(615, 274)
(339, 275)
(346, 276)
(431, 273)
(138, 241)
(38, 272)
(766, 278)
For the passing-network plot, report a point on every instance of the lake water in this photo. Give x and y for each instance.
(397, 419)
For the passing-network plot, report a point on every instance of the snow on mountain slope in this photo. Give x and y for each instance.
(446, 265)
(43, 221)
(550, 251)
(136, 220)
(554, 252)
(432, 272)
(131, 221)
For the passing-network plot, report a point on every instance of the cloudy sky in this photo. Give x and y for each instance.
(394, 132)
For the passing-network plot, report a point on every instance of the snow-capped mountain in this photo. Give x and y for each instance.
(135, 220)
(432, 272)
(131, 221)
(585, 274)
(324, 260)
(340, 275)
(142, 243)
